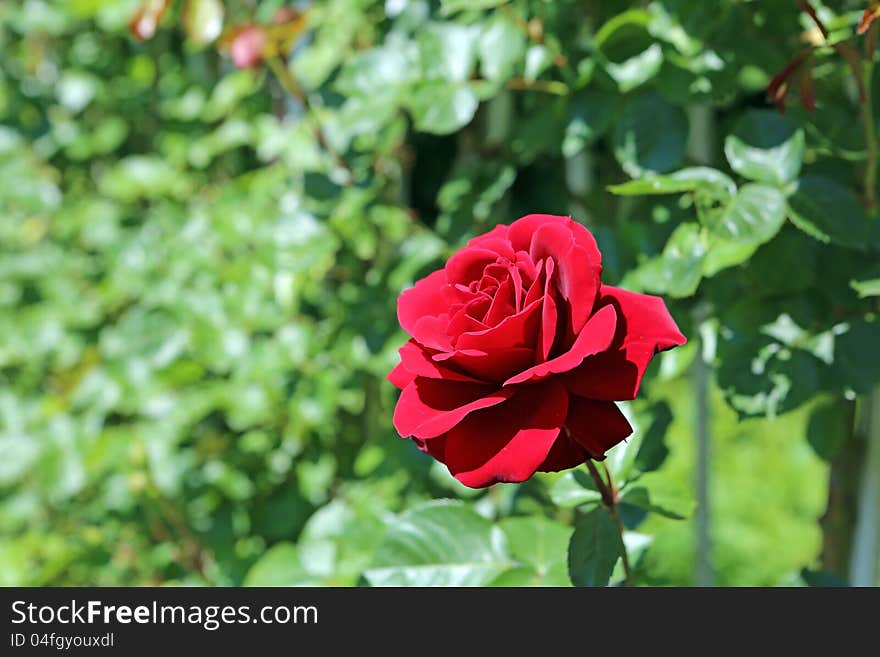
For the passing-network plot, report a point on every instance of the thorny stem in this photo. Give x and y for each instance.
(610, 501)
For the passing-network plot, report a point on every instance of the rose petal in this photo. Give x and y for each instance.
(429, 407)
(596, 425)
(549, 316)
(421, 310)
(518, 290)
(644, 328)
(577, 278)
(468, 264)
(521, 231)
(432, 332)
(418, 361)
(507, 442)
(595, 337)
(503, 305)
(491, 365)
(465, 320)
(518, 330)
(435, 447)
(578, 282)
(566, 453)
(550, 240)
(400, 377)
(498, 233)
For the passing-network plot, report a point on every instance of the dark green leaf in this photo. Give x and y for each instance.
(856, 356)
(589, 116)
(631, 55)
(828, 211)
(827, 430)
(675, 507)
(650, 136)
(594, 549)
(653, 450)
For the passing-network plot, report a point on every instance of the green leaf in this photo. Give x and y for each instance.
(574, 488)
(867, 288)
(722, 254)
(856, 356)
(638, 69)
(442, 108)
(449, 7)
(685, 180)
(631, 55)
(766, 147)
(502, 48)
(706, 178)
(594, 549)
(447, 51)
(667, 506)
(653, 451)
(827, 430)
(678, 271)
(621, 458)
(538, 58)
(589, 116)
(653, 185)
(828, 211)
(280, 565)
(753, 216)
(441, 543)
(383, 72)
(540, 544)
(650, 136)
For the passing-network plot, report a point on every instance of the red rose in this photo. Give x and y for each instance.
(247, 46)
(518, 353)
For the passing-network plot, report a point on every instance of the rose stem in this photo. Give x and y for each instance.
(609, 500)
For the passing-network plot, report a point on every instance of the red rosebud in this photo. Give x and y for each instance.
(247, 45)
(518, 353)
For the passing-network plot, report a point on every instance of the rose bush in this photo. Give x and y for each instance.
(518, 353)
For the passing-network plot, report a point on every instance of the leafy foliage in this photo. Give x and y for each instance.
(199, 265)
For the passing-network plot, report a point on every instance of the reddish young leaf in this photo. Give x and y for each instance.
(870, 15)
(807, 90)
(779, 84)
(810, 10)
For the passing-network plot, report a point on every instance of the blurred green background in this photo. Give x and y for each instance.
(208, 209)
